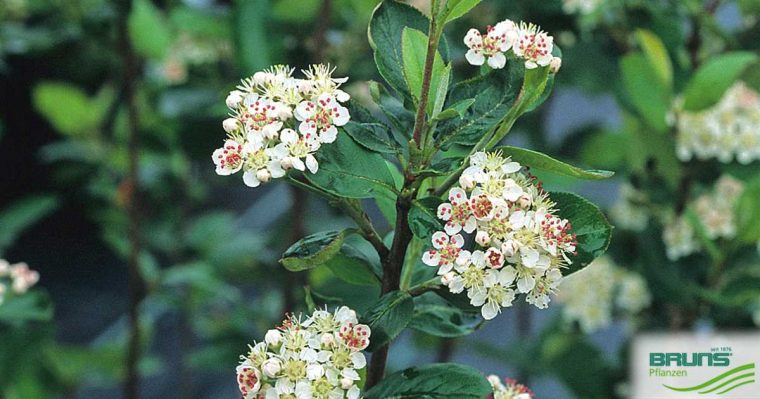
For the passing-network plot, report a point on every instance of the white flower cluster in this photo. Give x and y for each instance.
(19, 277)
(629, 211)
(591, 295)
(313, 359)
(526, 41)
(715, 211)
(520, 240)
(509, 389)
(729, 129)
(580, 6)
(278, 122)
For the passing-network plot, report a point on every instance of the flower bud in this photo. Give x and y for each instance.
(509, 248)
(286, 163)
(271, 367)
(555, 64)
(342, 96)
(466, 182)
(524, 201)
(482, 238)
(261, 77)
(263, 175)
(234, 98)
(346, 383)
(327, 339)
(273, 337)
(230, 125)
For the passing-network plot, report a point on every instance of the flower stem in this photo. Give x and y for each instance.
(427, 76)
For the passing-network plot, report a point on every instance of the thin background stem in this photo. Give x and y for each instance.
(136, 284)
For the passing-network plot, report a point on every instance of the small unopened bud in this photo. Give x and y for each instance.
(555, 64)
(482, 238)
(271, 367)
(327, 339)
(286, 163)
(230, 125)
(284, 112)
(509, 248)
(261, 77)
(305, 86)
(346, 383)
(273, 337)
(524, 201)
(466, 182)
(263, 175)
(234, 98)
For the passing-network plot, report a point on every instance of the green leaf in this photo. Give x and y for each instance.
(68, 108)
(353, 267)
(432, 315)
(313, 250)
(388, 317)
(492, 96)
(657, 54)
(21, 215)
(457, 8)
(372, 136)
(389, 20)
(252, 38)
(646, 91)
(347, 169)
(589, 224)
(414, 51)
(433, 381)
(439, 90)
(32, 306)
(200, 22)
(714, 77)
(148, 30)
(747, 213)
(542, 161)
(456, 110)
(422, 217)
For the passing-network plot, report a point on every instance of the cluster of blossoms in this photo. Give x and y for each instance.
(509, 389)
(278, 122)
(715, 210)
(317, 358)
(591, 295)
(527, 42)
(18, 277)
(729, 129)
(521, 243)
(629, 212)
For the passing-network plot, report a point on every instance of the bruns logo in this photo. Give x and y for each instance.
(673, 359)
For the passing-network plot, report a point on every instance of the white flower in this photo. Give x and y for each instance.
(520, 244)
(491, 47)
(295, 149)
(679, 238)
(456, 213)
(249, 380)
(228, 159)
(447, 251)
(262, 117)
(730, 129)
(231, 125)
(261, 163)
(509, 390)
(534, 46)
(322, 117)
(294, 368)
